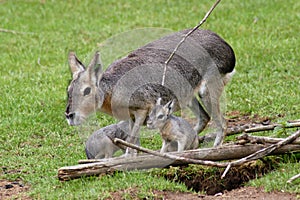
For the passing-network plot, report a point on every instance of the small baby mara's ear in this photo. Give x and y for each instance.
(158, 101)
(170, 106)
(75, 64)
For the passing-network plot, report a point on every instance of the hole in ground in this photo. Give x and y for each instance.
(208, 179)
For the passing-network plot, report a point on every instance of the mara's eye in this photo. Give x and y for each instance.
(160, 116)
(87, 91)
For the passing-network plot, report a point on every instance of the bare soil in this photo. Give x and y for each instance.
(237, 194)
(13, 190)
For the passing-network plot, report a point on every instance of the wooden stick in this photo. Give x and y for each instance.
(232, 131)
(13, 32)
(293, 178)
(262, 140)
(184, 38)
(263, 152)
(295, 120)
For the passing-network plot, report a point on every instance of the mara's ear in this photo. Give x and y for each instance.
(170, 106)
(95, 67)
(75, 65)
(158, 101)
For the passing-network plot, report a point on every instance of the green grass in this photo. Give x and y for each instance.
(277, 180)
(35, 138)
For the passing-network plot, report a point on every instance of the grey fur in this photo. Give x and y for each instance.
(99, 144)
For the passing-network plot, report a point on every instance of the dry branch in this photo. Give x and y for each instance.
(236, 130)
(144, 161)
(293, 178)
(262, 140)
(293, 121)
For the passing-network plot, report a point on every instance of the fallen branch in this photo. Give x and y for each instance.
(246, 129)
(293, 178)
(263, 152)
(262, 140)
(184, 38)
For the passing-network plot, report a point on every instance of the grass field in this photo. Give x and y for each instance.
(35, 137)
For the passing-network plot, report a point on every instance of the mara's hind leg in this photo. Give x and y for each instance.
(202, 116)
(210, 93)
(182, 144)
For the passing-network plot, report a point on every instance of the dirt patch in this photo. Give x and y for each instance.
(236, 119)
(252, 193)
(155, 194)
(13, 190)
(237, 194)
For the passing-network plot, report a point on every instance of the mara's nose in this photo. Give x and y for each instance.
(70, 115)
(70, 118)
(149, 122)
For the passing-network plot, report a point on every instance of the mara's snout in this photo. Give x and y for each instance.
(150, 124)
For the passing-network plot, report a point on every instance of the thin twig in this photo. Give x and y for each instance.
(262, 140)
(13, 32)
(184, 38)
(272, 127)
(118, 141)
(293, 178)
(259, 128)
(39, 62)
(263, 152)
(295, 120)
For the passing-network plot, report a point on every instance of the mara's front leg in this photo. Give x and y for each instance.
(134, 135)
(164, 147)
